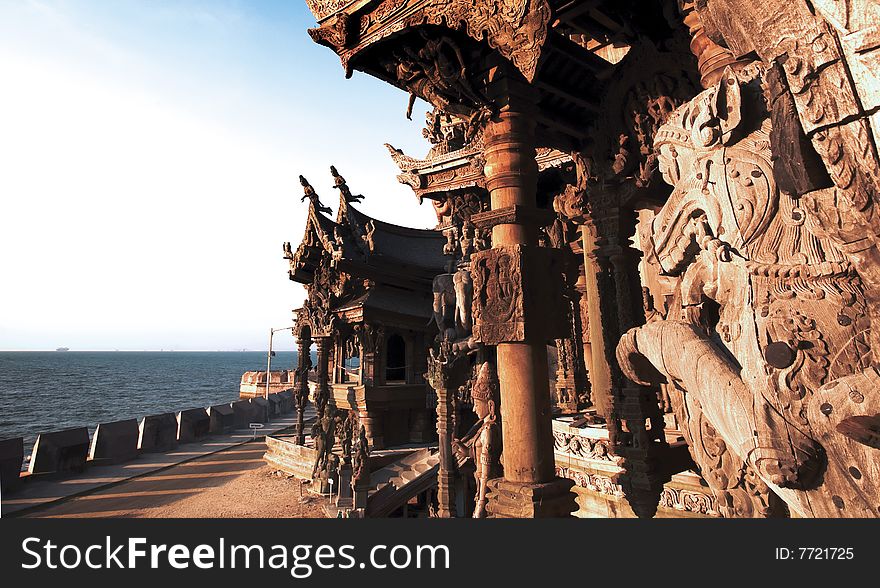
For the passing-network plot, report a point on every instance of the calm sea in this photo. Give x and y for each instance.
(49, 391)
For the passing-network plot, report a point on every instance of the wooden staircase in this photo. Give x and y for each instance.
(396, 483)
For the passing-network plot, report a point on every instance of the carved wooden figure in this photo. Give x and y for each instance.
(310, 193)
(765, 345)
(483, 441)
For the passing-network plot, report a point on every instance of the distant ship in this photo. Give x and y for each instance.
(63, 349)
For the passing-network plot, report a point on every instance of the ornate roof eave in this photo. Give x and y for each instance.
(457, 170)
(517, 29)
(301, 262)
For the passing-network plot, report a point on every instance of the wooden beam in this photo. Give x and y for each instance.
(563, 127)
(560, 93)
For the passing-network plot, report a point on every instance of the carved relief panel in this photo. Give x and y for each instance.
(513, 282)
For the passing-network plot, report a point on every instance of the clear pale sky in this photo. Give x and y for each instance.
(149, 154)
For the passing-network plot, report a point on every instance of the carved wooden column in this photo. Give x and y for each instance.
(583, 328)
(599, 366)
(438, 379)
(510, 311)
(615, 305)
(301, 391)
(566, 392)
(372, 423)
(322, 394)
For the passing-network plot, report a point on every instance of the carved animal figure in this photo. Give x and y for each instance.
(443, 288)
(766, 343)
(464, 292)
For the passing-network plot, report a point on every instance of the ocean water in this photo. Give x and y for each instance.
(50, 391)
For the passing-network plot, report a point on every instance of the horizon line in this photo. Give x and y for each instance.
(147, 350)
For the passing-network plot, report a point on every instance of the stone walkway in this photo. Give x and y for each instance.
(39, 494)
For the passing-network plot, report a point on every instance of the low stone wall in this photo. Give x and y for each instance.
(242, 411)
(274, 405)
(158, 433)
(222, 419)
(11, 458)
(284, 455)
(192, 425)
(60, 451)
(260, 408)
(114, 442)
(288, 404)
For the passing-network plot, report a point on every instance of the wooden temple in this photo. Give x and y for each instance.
(650, 290)
(369, 313)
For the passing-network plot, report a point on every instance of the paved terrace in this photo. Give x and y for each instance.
(151, 479)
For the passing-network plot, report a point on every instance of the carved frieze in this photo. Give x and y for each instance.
(582, 447)
(595, 482)
(689, 501)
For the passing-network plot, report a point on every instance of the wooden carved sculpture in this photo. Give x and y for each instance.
(324, 434)
(345, 428)
(766, 342)
(309, 192)
(444, 305)
(340, 184)
(483, 441)
(360, 472)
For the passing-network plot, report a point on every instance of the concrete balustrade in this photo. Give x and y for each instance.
(11, 458)
(60, 451)
(192, 425)
(222, 419)
(158, 433)
(114, 442)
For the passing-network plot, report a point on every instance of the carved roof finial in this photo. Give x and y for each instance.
(310, 193)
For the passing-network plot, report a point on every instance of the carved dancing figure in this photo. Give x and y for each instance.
(310, 193)
(369, 238)
(320, 453)
(340, 184)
